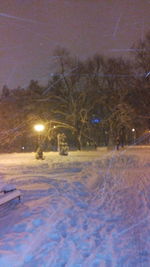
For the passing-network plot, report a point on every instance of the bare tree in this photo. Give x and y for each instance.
(71, 97)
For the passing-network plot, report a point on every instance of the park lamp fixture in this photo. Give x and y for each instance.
(39, 127)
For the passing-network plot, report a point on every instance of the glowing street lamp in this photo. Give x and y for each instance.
(134, 135)
(39, 127)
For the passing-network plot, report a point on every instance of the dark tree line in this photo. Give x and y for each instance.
(92, 101)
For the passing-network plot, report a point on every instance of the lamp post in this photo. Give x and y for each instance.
(39, 128)
(134, 135)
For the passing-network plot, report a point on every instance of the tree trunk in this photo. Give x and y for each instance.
(79, 143)
(111, 145)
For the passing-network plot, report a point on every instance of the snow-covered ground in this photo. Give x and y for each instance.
(85, 209)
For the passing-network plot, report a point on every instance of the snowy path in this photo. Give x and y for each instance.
(76, 211)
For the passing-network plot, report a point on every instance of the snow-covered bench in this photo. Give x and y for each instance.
(8, 193)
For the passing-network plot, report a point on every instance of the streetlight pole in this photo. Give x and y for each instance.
(39, 128)
(134, 135)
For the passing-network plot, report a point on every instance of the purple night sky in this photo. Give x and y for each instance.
(30, 30)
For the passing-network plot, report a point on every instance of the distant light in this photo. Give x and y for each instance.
(133, 130)
(22, 147)
(95, 120)
(39, 127)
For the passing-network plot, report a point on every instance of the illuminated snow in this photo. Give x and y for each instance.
(86, 209)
